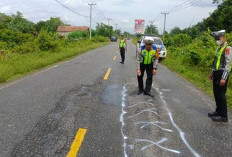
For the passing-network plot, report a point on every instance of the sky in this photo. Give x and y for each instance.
(122, 13)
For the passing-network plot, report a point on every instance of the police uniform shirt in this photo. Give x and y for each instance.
(226, 66)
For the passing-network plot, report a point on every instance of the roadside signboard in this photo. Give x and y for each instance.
(139, 26)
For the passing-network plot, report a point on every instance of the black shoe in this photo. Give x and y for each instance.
(213, 114)
(219, 119)
(148, 93)
(139, 92)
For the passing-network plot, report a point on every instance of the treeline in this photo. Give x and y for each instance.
(18, 35)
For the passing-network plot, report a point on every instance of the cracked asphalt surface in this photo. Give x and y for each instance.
(41, 113)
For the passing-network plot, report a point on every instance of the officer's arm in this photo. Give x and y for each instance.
(228, 57)
(138, 59)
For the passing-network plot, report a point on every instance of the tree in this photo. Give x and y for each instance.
(104, 30)
(175, 30)
(20, 24)
(151, 29)
(50, 25)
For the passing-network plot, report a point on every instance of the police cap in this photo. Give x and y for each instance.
(148, 40)
(218, 34)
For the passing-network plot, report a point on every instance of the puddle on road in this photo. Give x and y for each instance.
(112, 95)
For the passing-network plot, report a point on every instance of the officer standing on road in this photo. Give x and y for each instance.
(122, 48)
(147, 60)
(220, 76)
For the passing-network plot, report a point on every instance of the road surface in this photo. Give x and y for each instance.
(41, 114)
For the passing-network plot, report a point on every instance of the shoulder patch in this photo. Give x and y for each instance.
(227, 51)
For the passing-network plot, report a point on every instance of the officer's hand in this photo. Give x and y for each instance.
(138, 72)
(154, 72)
(211, 76)
(222, 82)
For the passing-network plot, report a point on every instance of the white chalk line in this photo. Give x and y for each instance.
(123, 121)
(147, 110)
(155, 124)
(157, 144)
(182, 134)
(143, 102)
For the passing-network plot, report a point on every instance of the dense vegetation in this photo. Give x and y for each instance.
(30, 46)
(192, 50)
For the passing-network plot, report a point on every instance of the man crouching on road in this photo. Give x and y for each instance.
(147, 60)
(220, 76)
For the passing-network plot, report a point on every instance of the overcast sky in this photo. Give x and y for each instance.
(122, 12)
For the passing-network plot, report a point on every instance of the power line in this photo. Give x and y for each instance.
(183, 5)
(70, 9)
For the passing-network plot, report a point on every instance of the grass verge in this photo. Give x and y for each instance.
(17, 65)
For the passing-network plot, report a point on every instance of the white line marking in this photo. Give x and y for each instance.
(155, 124)
(147, 110)
(144, 102)
(157, 144)
(123, 121)
(182, 134)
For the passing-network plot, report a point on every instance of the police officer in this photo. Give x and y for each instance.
(147, 60)
(122, 48)
(220, 76)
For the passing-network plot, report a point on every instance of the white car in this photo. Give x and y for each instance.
(157, 45)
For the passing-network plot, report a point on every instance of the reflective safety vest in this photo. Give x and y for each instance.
(218, 57)
(122, 43)
(148, 57)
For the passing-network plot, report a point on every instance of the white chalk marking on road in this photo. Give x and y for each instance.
(155, 124)
(182, 134)
(147, 110)
(157, 144)
(123, 121)
(165, 90)
(143, 102)
(15, 82)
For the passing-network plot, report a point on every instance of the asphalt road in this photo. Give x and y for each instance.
(41, 113)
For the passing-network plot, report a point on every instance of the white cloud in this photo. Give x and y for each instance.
(5, 9)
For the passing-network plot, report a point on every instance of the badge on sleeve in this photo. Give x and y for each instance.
(227, 51)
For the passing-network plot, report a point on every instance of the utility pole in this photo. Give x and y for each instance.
(165, 14)
(90, 25)
(108, 19)
(116, 29)
(151, 25)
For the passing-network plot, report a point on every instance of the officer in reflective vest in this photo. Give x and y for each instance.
(122, 48)
(147, 60)
(220, 76)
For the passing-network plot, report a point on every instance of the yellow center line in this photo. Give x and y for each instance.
(107, 74)
(77, 143)
(115, 58)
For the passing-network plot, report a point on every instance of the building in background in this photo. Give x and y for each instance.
(65, 30)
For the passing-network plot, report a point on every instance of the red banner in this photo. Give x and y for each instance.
(139, 26)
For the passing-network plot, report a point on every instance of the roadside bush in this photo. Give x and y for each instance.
(180, 40)
(47, 41)
(99, 39)
(195, 58)
(77, 35)
(29, 47)
(3, 45)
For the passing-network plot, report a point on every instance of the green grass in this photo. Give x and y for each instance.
(17, 65)
(196, 75)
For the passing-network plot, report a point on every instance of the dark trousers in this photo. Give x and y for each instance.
(149, 69)
(220, 94)
(122, 52)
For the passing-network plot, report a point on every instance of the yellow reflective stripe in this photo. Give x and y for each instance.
(219, 56)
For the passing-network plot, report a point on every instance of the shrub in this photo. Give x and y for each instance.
(47, 41)
(99, 39)
(28, 47)
(77, 35)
